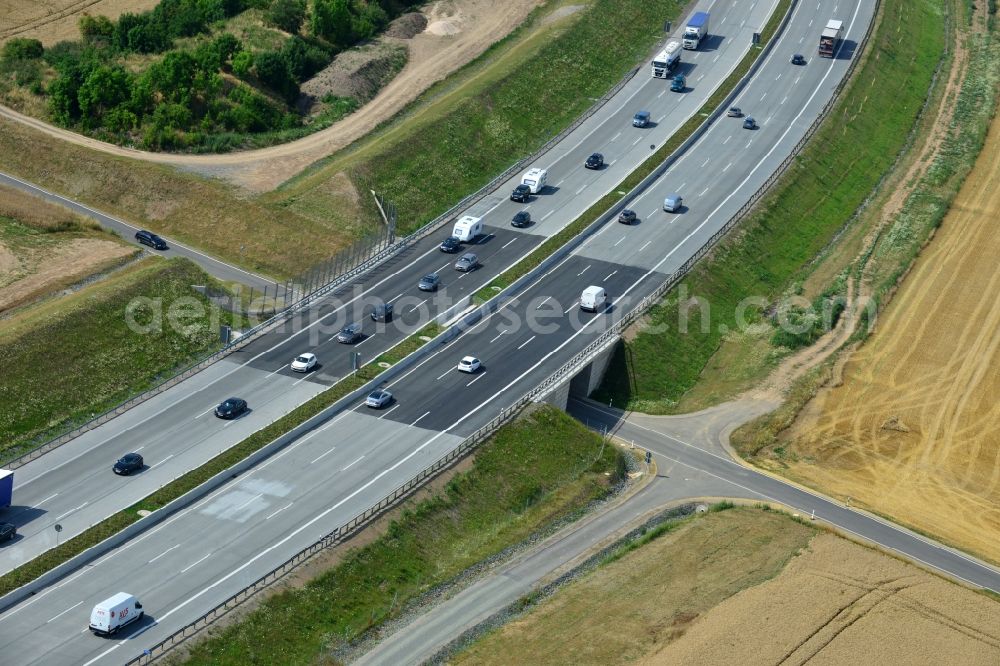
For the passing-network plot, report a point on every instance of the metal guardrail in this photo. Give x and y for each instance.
(540, 391)
(380, 256)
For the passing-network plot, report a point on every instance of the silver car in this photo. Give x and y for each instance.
(378, 399)
(350, 333)
(467, 262)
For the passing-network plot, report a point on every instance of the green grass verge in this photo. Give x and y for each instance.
(101, 361)
(532, 472)
(553, 243)
(119, 521)
(833, 175)
(461, 150)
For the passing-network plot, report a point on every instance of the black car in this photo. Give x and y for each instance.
(7, 532)
(451, 244)
(627, 216)
(798, 59)
(350, 333)
(150, 239)
(595, 161)
(521, 219)
(429, 282)
(128, 463)
(382, 312)
(521, 193)
(231, 408)
(749, 123)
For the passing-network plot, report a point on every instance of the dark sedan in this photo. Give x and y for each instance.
(521, 193)
(7, 532)
(451, 244)
(595, 161)
(521, 219)
(627, 216)
(128, 463)
(150, 239)
(231, 408)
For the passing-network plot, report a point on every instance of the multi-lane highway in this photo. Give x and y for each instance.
(176, 431)
(208, 551)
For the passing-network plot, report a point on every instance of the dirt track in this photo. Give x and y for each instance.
(457, 32)
(912, 430)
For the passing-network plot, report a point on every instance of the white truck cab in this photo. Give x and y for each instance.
(593, 299)
(112, 614)
(535, 179)
(467, 228)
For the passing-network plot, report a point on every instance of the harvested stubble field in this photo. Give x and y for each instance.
(912, 429)
(747, 586)
(54, 20)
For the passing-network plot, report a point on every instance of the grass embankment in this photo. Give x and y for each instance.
(85, 341)
(717, 588)
(654, 588)
(510, 101)
(178, 487)
(556, 241)
(898, 245)
(772, 252)
(543, 467)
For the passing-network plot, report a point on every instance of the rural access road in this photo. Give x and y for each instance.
(214, 267)
(692, 463)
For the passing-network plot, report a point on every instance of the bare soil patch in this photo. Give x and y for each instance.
(359, 73)
(51, 21)
(931, 366)
(841, 603)
(457, 32)
(407, 26)
(56, 266)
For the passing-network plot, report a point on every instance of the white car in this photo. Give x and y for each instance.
(468, 364)
(304, 362)
(378, 398)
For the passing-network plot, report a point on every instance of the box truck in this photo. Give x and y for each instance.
(696, 30)
(535, 179)
(467, 228)
(830, 38)
(112, 614)
(593, 299)
(666, 60)
(6, 488)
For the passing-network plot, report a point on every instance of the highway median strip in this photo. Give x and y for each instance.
(47, 561)
(114, 524)
(619, 192)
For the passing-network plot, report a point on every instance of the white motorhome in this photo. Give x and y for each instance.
(593, 299)
(112, 614)
(467, 228)
(535, 179)
(666, 60)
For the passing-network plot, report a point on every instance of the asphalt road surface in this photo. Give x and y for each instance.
(176, 432)
(211, 265)
(691, 464)
(310, 488)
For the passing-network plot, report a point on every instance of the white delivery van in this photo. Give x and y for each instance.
(467, 228)
(112, 614)
(672, 203)
(535, 179)
(593, 299)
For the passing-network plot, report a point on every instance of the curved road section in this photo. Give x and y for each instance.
(175, 431)
(319, 481)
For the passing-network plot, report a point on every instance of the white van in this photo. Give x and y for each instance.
(112, 614)
(593, 299)
(467, 228)
(535, 179)
(672, 203)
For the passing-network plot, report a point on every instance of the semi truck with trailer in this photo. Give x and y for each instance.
(696, 30)
(829, 40)
(666, 60)
(6, 488)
